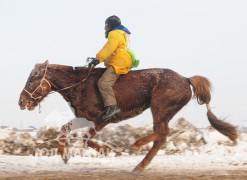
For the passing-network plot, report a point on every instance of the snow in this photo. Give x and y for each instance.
(187, 147)
(126, 163)
(4, 133)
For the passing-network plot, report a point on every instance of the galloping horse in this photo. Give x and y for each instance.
(162, 90)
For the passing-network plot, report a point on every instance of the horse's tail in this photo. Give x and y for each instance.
(202, 91)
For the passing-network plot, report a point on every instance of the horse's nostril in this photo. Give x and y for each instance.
(20, 102)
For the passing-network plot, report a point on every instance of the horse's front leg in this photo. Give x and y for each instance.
(74, 124)
(92, 132)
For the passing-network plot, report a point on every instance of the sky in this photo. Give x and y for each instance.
(191, 37)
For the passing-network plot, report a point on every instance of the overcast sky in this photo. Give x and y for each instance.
(192, 37)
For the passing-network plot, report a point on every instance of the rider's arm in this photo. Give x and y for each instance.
(110, 46)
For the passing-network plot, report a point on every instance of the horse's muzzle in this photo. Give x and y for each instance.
(22, 106)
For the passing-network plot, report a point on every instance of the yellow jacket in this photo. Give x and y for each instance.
(114, 53)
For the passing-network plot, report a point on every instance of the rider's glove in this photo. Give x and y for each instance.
(94, 62)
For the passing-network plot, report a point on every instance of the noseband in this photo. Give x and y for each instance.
(31, 94)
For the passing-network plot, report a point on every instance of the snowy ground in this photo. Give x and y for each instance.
(171, 166)
(190, 153)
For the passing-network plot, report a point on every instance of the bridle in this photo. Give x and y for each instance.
(31, 94)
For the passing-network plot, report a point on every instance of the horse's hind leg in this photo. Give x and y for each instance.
(163, 130)
(148, 158)
(160, 130)
(163, 109)
(161, 116)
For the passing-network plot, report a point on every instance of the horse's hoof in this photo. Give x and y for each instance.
(137, 169)
(65, 160)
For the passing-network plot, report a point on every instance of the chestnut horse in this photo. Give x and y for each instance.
(162, 90)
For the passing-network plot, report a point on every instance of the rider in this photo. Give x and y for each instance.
(117, 60)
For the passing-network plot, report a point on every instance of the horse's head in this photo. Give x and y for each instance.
(36, 88)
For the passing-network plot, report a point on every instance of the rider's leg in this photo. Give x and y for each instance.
(105, 85)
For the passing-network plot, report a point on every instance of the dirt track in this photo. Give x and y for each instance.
(171, 174)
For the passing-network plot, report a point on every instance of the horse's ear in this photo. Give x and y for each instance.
(46, 62)
(41, 64)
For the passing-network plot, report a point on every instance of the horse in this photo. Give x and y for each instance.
(164, 91)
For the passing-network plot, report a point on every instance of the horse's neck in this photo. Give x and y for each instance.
(61, 81)
(62, 77)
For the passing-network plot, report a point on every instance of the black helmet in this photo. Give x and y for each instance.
(112, 22)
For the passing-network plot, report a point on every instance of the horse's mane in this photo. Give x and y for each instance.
(61, 67)
(77, 70)
(68, 68)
